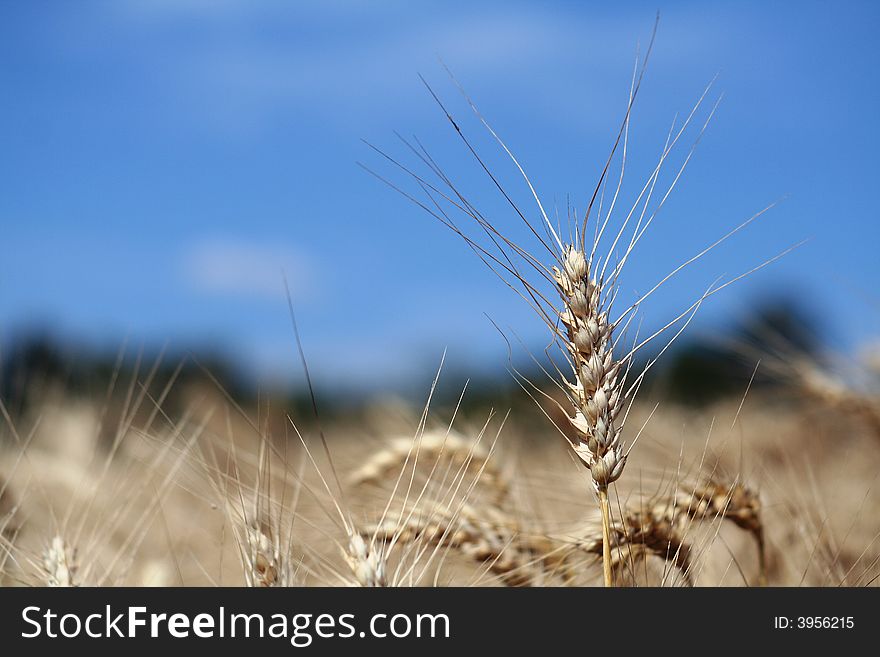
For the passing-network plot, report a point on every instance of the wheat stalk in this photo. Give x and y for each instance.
(597, 392)
(8, 509)
(258, 510)
(587, 284)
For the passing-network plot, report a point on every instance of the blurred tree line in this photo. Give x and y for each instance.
(697, 371)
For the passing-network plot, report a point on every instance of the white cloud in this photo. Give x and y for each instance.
(235, 268)
(238, 67)
(255, 75)
(240, 63)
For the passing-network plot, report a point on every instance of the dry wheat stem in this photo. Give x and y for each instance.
(8, 510)
(606, 538)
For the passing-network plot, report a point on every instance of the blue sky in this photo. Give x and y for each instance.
(162, 161)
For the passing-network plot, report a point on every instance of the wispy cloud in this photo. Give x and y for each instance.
(238, 65)
(239, 68)
(233, 268)
(251, 79)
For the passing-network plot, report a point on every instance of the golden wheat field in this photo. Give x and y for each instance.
(742, 493)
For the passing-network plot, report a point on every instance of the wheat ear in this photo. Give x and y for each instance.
(434, 447)
(597, 393)
(367, 561)
(265, 559)
(490, 536)
(661, 526)
(823, 386)
(735, 503)
(484, 534)
(59, 563)
(641, 533)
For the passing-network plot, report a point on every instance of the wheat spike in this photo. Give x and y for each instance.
(660, 527)
(366, 561)
(484, 534)
(735, 503)
(59, 563)
(833, 392)
(267, 564)
(433, 447)
(639, 534)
